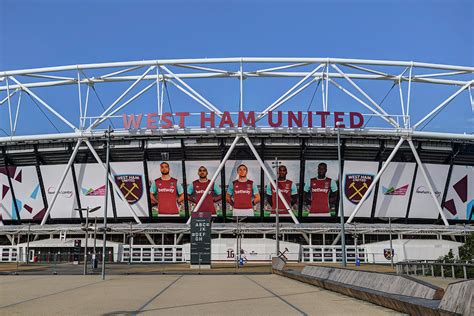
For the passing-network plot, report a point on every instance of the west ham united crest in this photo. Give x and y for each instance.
(388, 253)
(131, 186)
(356, 185)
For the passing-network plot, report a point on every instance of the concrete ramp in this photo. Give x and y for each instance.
(400, 293)
(388, 283)
(458, 298)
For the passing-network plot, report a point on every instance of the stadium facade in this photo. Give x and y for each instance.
(341, 151)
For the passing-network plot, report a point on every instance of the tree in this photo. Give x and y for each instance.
(466, 251)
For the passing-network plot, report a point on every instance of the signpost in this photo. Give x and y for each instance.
(76, 251)
(201, 240)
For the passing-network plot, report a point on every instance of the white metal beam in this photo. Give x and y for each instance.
(17, 113)
(443, 104)
(385, 118)
(428, 181)
(32, 94)
(9, 95)
(94, 124)
(133, 98)
(272, 60)
(276, 104)
(270, 178)
(210, 106)
(61, 181)
(365, 95)
(53, 83)
(214, 177)
(111, 178)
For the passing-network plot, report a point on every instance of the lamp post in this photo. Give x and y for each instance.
(390, 237)
(107, 162)
(276, 165)
(28, 244)
(86, 230)
(341, 202)
(95, 234)
(391, 245)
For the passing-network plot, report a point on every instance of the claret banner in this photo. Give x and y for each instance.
(198, 177)
(321, 189)
(166, 188)
(243, 188)
(243, 119)
(288, 174)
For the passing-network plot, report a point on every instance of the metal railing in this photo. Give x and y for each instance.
(436, 268)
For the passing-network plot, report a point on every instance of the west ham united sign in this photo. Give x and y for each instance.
(131, 186)
(356, 185)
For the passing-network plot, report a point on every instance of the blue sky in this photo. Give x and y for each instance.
(48, 33)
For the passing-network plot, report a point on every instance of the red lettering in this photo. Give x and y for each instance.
(182, 116)
(323, 116)
(270, 119)
(128, 123)
(339, 119)
(226, 119)
(165, 119)
(352, 115)
(248, 121)
(150, 121)
(310, 119)
(292, 118)
(210, 119)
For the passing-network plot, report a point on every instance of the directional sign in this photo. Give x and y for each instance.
(201, 240)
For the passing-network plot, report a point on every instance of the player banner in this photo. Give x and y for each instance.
(288, 173)
(243, 188)
(321, 189)
(166, 188)
(198, 176)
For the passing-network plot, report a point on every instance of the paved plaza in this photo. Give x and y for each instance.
(173, 295)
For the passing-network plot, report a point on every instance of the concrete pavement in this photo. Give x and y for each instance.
(173, 295)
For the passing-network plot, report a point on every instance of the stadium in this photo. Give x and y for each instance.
(343, 124)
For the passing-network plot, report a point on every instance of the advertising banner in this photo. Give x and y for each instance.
(288, 184)
(91, 184)
(422, 204)
(459, 202)
(166, 186)
(66, 201)
(198, 175)
(321, 188)
(358, 176)
(130, 178)
(394, 190)
(7, 208)
(244, 196)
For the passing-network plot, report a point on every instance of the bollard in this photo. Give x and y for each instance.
(432, 270)
(453, 272)
(442, 271)
(465, 272)
(423, 269)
